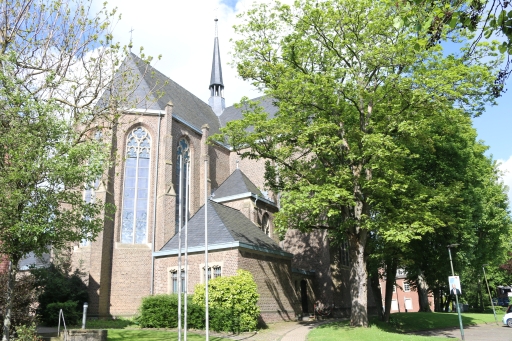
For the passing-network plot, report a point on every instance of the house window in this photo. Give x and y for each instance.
(265, 224)
(407, 287)
(394, 305)
(217, 270)
(136, 187)
(183, 150)
(174, 281)
(408, 304)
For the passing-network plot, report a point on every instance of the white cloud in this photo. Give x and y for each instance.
(182, 32)
(506, 167)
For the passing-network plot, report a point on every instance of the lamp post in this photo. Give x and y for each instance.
(456, 296)
(489, 291)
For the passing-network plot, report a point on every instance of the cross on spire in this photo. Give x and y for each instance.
(130, 45)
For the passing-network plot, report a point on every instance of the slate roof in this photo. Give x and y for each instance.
(226, 226)
(31, 260)
(216, 77)
(187, 106)
(231, 113)
(236, 183)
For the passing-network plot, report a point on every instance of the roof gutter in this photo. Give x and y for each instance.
(223, 246)
(242, 196)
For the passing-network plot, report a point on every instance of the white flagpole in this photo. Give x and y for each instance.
(206, 248)
(179, 245)
(187, 189)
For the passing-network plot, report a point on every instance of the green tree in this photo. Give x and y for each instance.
(354, 92)
(57, 59)
(442, 19)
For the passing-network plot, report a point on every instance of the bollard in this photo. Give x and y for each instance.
(85, 315)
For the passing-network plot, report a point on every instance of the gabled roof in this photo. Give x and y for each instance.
(231, 113)
(227, 228)
(155, 90)
(237, 183)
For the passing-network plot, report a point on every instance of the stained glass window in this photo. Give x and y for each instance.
(89, 196)
(183, 149)
(265, 224)
(136, 188)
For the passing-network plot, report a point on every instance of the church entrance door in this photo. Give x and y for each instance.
(304, 296)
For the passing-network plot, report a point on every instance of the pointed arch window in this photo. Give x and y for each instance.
(183, 149)
(265, 224)
(136, 187)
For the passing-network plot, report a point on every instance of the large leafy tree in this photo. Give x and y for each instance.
(355, 94)
(57, 59)
(444, 18)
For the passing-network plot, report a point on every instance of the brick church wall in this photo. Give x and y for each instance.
(227, 259)
(311, 253)
(278, 300)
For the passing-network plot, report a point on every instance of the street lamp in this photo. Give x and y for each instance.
(456, 296)
(489, 291)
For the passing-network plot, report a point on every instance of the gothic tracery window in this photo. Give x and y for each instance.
(136, 187)
(183, 150)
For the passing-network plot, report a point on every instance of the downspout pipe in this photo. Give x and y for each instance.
(161, 114)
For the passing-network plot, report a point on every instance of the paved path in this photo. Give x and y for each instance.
(281, 331)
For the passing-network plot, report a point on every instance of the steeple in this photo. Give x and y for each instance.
(216, 101)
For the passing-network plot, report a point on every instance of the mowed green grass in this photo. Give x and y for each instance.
(126, 329)
(152, 335)
(401, 323)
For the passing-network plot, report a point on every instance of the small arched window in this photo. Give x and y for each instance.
(265, 224)
(183, 150)
(136, 187)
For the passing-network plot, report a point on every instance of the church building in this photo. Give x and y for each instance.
(136, 254)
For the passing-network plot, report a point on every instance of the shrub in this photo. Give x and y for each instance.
(161, 311)
(59, 289)
(26, 333)
(25, 299)
(232, 301)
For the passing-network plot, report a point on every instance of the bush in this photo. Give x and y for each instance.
(161, 311)
(26, 333)
(60, 290)
(232, 301)
(25, 300)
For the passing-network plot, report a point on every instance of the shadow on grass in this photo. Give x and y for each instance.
(415, 322)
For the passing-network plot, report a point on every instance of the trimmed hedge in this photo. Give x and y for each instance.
(161, 311)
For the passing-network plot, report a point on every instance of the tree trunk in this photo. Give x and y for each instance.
(391, 266)
(423, 294)
(480, 296)
(13, 269)
(375, 283)
(437, 300)
(358, 279)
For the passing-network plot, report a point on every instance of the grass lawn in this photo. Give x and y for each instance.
(151, 335)
(402, 323)
(125, 329)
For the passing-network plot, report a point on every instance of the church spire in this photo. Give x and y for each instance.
(216, 100)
